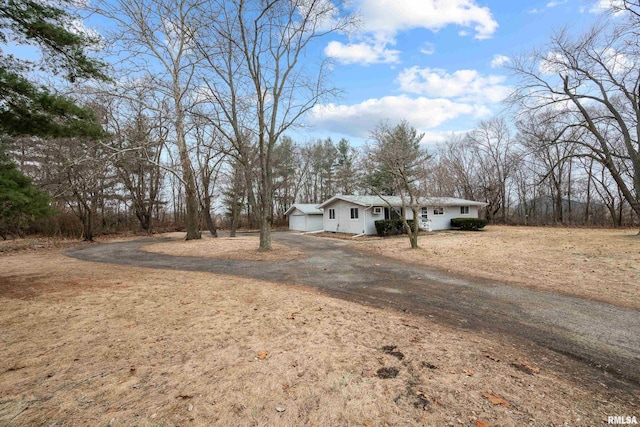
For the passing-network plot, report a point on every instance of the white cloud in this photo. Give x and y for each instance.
(382, 20)
(467, 85)
(615, 6)
(556, 3)
(390, 17)
(617, 62)
(549, 5)
(554, 63)
(499, 61)
(423, 113)
(428, 48)
(364, 53)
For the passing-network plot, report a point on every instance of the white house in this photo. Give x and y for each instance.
(304, 217)
(358, 214)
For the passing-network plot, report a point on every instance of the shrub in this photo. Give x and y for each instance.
(473, 224)
(391, 227)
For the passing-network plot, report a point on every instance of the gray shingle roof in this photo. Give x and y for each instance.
(397, 201)
(306, 208)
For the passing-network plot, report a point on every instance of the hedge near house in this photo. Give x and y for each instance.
(392, 227)
(473, 224)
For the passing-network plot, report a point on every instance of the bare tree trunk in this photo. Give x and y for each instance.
(209, 220)
(192, 220)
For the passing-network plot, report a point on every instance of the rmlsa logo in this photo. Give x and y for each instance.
(622, 420)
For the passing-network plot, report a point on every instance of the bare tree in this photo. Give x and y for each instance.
(592, 80)
(210, 156)
(156, 35)
(258, 80)
(456, 172)
(396, 159)
(545, 140)
(495, 149)
(79, 173)
(139, 136)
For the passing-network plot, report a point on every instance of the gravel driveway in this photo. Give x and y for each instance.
(602, 335)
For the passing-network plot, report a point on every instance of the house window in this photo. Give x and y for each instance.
(354, 213)
(438, 210)
(425, 213)
(377, 210)
(332, 214)
(464, 210)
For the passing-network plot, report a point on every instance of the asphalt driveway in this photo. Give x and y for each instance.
(599, 334)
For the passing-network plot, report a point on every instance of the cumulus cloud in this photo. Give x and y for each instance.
(382, 20)
(423, 113)
(467, 85)
(389, 17)
(552, 4)
(615, 6)
(499, 61)
(428, 48)
(364, 53)
(554, 63)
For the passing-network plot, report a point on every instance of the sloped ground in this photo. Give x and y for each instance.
(96, 344)
(598, 264)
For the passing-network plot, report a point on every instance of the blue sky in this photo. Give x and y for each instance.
(435, 63)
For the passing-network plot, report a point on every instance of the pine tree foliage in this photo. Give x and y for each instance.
(27, 108)
(20, 202)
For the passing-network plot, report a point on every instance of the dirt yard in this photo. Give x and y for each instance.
(599, 264)
(95, 344)
(223, 247)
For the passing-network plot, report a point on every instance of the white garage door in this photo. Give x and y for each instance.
(296, 222)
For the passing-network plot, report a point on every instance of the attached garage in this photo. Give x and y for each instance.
(304, 217)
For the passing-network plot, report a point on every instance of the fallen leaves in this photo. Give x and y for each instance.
(489, 356)
(481, 423)
(495, 399)
(526, 368)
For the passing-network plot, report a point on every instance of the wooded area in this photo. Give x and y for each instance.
(192, 129)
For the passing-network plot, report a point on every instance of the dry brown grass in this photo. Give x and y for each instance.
(241, 247)
(94, 344)
(599, 264)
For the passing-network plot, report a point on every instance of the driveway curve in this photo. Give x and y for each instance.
(600, 334)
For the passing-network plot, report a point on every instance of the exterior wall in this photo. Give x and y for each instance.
(315, 223)
(343, 222)
(366, 221)
(443, 222)
(299, 221)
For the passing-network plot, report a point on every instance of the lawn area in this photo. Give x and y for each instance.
(599, 264)
(96, 344)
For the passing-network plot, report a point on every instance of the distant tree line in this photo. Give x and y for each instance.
(194, 135)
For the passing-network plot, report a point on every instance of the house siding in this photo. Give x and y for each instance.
(343, 222)
(366, 218)
(443, 222)
(300, 221)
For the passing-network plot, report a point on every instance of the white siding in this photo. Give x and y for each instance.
(299, 221)
(443, 222)
(366, 219)
(343, 222)
(314, 223)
